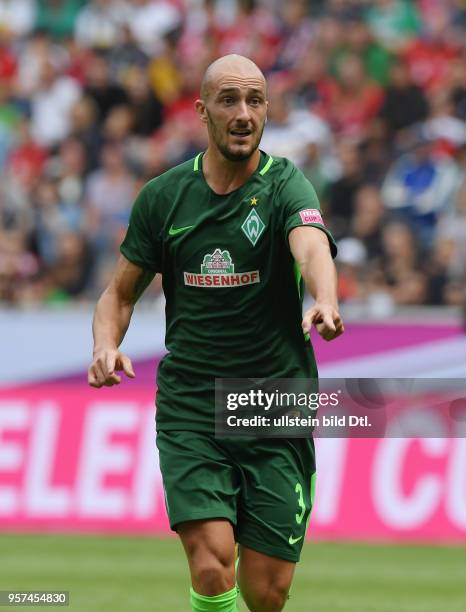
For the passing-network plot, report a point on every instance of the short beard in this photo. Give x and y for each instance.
(234, 157)
(227, 154)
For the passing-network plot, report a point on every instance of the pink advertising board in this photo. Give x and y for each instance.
(76, 459)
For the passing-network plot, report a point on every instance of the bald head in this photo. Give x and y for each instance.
(233, 64)
(233, 106)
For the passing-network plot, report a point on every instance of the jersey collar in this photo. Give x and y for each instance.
(264, 163)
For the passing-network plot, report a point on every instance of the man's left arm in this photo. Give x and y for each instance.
(311, 251)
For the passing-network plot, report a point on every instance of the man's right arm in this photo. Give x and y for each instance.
(111, 320)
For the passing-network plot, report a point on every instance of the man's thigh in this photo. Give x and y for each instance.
(277, 490)
(200, 481)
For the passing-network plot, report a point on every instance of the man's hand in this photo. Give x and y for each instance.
(310, 248)
(326, 320)
(111, 320)
(105, 364)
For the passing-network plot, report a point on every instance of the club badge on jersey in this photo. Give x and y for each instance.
(253, 226)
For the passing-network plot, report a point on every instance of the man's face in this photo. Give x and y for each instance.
(235, 113)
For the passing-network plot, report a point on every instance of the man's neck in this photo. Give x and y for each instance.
(223, 175)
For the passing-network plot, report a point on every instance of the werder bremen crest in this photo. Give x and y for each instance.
(218, 262)
(253, 226)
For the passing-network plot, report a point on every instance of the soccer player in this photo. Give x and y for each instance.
(235, 234)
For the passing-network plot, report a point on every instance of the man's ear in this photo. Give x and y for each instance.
(201, 109)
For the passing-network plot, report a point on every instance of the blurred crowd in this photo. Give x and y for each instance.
(368, 98)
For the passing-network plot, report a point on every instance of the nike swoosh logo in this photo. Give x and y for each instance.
(292, 540)
(174, 231)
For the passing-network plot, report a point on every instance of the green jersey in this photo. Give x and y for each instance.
(233, 292)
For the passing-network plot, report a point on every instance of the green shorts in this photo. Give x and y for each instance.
(264, 487)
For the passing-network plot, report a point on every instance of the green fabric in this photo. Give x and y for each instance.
(225, 602)
(396, 20)
(313, 496)
(378, 62)
(233, 309)
(314, 174)
(58, 17)
(267, 166)
(9, 116)
(263, 488)
(313, 488)
(376, 59)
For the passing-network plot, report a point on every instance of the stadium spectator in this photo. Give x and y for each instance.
(68, 168)
(72, 269)
(25, 164)
(9, 119)
(394, 22)
(100, 87)
(342, 191)
(146, 108)
(151, 20)
(400, 264)
(313, 87)
(317, 172)
(359, 40)
(367, 220)
(18, 266)
(449, 256)
(289, 131)
(98, 24)
(17, 16)
(455, 82)
(441, 125)
(51, 105)
(441, 287)
(357, 99)
(329, 35)
(53, 217)
(118, 123)
(352, 256)
(296, 35)
(57, 17)
(36, 51)
(85, 127)
(252, 31)
(164, 75)
(420, 187)
(109, 192)
(429, 56)
(364, 97)
(126, 55)
(404, 102)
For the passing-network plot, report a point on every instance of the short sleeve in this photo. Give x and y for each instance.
(301, 207)
(140, 245)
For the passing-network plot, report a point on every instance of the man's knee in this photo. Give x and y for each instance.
(211, 577)
(210, 549)
(264, 581)
(270, 598)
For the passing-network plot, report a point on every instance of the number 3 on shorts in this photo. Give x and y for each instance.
(299, 490)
